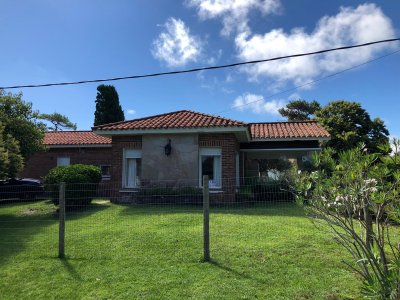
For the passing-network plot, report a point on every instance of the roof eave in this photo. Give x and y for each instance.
(321, 139)
(225, 129)
(78, 146)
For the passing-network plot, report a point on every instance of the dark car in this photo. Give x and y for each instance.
(24, 188)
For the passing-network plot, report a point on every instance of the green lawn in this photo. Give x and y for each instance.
(155, 252)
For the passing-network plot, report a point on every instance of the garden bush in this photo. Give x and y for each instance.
(81, 183)
(268, 190)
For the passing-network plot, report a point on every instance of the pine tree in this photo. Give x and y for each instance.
(108, 109)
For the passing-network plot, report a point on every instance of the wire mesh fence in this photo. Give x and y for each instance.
(158, 218)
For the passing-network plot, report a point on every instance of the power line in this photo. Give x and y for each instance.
(198, 69)
(311, 82)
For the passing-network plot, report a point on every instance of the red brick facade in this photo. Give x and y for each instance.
(40, 163)
(118, 145)
(229, 148)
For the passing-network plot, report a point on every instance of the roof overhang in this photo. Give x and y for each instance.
(281, 150)
(79, 146)
(241, 132)
(320, 139)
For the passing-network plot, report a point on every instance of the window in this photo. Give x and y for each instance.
(210, 164)
(105, 172)
(63, 161)
(131, 168)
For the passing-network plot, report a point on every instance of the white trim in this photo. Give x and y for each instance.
(126, 190)
(255, 140)
(80, 146)
(281, 149)
(138, 154)
(132, 153)
(209, 151)
(172, 130)
(216, 191)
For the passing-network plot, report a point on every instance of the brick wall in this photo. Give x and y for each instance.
(40, 163)
(118, 145)
(229, 147)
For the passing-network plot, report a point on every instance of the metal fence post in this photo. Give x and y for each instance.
(206, 218)
(61, 228)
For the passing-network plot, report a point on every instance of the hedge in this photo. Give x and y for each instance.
(81, 183)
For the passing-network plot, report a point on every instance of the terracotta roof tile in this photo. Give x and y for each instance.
(75, 138)
(278, 130)
(177, 119)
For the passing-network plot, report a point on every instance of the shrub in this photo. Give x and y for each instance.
(81, 183)
(268, 190)
(357, 200)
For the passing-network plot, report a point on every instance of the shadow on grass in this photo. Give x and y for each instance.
(70, 269)
(234, 272)
(20, 223)
(282, 209)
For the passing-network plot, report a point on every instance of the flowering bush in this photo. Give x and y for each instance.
(358, 199)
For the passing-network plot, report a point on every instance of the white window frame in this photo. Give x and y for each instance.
(130, 154)
(105, 177)
(63, 161)
(211, 152)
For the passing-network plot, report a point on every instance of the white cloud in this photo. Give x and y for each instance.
(175, 45)
(131, 111)
(234, 13)
(358, 25)
(257, 104)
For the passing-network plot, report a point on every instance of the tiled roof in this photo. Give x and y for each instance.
(74, 138)
(177, 119)
(279, 130)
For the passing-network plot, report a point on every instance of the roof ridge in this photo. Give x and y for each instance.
(216, 116)
(170, 113)
(67, 131)
(139, 119)
(284, 122)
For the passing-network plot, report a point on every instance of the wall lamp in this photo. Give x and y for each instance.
(168, 148)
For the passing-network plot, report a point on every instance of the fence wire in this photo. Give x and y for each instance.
(104, 220)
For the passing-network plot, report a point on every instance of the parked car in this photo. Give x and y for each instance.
(21, 188)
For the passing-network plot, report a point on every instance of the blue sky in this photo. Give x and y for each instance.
(51, 41)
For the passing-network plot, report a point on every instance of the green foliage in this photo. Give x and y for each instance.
(349, 125)
(11, 160)
(264, 189)
(347, 122)
(15, 159)
(81, 183)
(58, 121)
(108, 109)
(300, 110)
(20, 122)
(358, 198)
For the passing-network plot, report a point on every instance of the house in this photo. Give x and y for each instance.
(179, 148)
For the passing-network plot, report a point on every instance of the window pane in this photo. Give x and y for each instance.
(63, 161)
(207, 166)
(130, 172)
(138, 171)
(105, 171)
(216, 182)
(211, 166)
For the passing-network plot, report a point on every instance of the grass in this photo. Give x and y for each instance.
(154, 252)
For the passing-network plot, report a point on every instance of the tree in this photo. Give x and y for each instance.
(108, 109)
(300, 110)
(349, 125)
(22, 123)
(11, 160)
(59, 122)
